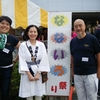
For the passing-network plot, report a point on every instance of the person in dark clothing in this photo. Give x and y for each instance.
(7, 45)
(85, 62)
(97, 34)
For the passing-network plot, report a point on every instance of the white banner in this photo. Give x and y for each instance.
(59, 36)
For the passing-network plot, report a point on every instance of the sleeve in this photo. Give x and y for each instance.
(44, 63)
(22, 62)
(15, 40)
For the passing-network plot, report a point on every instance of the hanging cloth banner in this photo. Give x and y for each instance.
(59, 36)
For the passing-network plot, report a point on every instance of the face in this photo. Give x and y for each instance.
(4, 27)
(32, 33)
(79, 27)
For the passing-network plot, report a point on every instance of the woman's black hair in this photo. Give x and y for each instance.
(5, 18)
(26, 37)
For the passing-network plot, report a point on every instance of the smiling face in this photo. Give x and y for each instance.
(32, 33)
(4, 27)
(79, 27)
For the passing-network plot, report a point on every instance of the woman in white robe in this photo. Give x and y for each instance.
(32, 86)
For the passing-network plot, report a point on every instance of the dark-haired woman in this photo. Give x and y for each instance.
(7, 45)
(33, 60)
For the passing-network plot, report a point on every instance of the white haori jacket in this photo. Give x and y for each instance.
(32, 88)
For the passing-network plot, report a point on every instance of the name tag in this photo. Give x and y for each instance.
(85, 59)
(5, 50)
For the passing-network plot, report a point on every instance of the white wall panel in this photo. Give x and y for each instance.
(69, 5)
(91, 5)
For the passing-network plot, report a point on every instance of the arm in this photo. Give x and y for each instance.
(30, 77)
(16, 58)
(98, 65)
(72, 66)
(17, 46)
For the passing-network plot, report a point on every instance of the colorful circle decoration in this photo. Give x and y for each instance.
(59, 20)
(58, 70)
(59, 38)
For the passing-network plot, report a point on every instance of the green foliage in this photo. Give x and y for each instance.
(14, 88)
